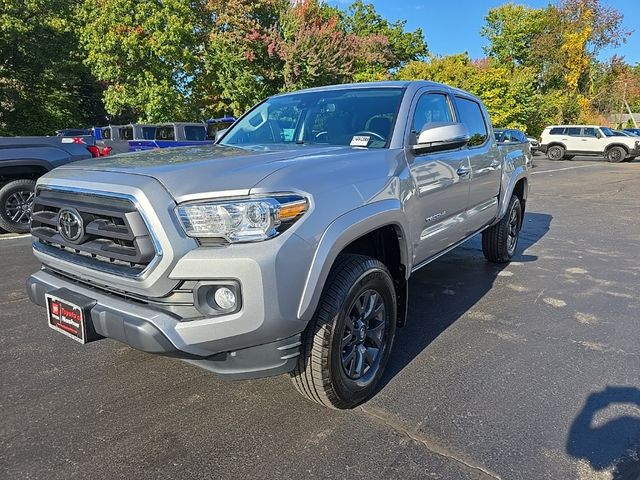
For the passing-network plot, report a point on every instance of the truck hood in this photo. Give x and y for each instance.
(209, 171)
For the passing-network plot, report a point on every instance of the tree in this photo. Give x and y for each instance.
(43, 84)
(388, 45)
(512, 30)
(148, 53)
(313, 48)
(508, 94)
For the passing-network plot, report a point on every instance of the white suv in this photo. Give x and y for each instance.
(566, 141)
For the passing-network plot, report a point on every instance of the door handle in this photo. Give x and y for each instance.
(463, 171)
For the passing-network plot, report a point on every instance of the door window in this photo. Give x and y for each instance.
(589, 132)
(573, 131)
(431, 108)
(471, 115)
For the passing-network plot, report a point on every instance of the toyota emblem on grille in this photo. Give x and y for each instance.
(70, 225)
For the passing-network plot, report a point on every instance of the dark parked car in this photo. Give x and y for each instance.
(22, 161)
(512, 135)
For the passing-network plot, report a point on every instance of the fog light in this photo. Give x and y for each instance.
(225, 298)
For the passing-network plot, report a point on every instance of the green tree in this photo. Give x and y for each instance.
(386, 46)
(509, 94)
(148, 53)
(43, 84)
(512, 30)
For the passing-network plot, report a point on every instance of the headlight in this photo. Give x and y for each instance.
(242, 220)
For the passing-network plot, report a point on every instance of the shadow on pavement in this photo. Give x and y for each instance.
(615, 443)
(445, 289)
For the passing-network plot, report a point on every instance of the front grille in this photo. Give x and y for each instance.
(114, 234)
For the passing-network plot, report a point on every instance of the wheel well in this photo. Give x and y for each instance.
(519, 190)
(624, 147)
(30, 172)
(556, 144)
(383, 244)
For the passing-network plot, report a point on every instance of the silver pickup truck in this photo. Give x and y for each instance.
(285, 248)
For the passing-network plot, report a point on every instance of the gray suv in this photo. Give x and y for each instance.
(286, 247)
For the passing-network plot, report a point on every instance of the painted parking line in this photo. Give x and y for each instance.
(566, 168)
(13, 237)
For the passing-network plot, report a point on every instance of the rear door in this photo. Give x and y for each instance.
(485, 161)
(441, 180)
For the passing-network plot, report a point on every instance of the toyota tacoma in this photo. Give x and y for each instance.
(288, 245)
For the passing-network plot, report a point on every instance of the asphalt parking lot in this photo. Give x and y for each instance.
(529, 371)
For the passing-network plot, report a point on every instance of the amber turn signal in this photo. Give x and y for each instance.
(289, 211)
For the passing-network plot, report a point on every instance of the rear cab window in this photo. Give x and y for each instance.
(195, 133)
(165, 133)
(148, 133)
(473, 118)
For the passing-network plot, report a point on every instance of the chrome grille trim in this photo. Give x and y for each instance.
(137, 228)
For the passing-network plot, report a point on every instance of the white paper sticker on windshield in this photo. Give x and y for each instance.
(360, 141)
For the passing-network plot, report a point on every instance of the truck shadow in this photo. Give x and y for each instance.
(441, 292)
(613, 443)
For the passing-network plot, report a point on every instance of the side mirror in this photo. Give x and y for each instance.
(220, 133)
(598, 135)
(436, 137)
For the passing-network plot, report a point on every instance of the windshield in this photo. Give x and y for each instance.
(608, 132)
(357, 117)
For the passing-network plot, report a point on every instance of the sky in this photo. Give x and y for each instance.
(453, 26)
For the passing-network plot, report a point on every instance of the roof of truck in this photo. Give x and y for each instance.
(385, 84)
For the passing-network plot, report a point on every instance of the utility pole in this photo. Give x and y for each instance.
(624, 102)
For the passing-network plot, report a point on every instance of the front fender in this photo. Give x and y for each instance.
(515, 169)
(344, 230)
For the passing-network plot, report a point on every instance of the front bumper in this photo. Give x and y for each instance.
(153, 330)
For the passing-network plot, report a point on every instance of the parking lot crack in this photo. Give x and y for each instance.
(390, 421)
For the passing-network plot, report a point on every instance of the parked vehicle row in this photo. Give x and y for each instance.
(563, 142)
(136, 136)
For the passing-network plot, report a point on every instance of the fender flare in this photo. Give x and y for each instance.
(519, 173)
(340, 233)
(25, 162)
(553, 144)
(622, 145)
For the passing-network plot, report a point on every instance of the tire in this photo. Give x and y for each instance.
(555, 152)
(15, 205)
(616, 154)
(568, 157)
(499, 242)
(332, 345)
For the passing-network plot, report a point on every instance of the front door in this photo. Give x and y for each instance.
(441, 182)
(590, 142)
